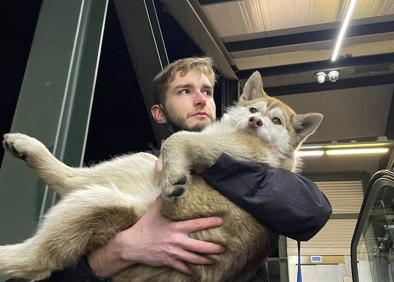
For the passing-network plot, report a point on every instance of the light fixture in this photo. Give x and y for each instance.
(358, 151)
(310, 153)
(354, 145)
(333, 75)
(320, 77)
(342, 31)
(339, 149)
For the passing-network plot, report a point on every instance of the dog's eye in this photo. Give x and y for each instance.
(252, 110)
(276, 121)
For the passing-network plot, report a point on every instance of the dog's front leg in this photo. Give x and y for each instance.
(181, 153)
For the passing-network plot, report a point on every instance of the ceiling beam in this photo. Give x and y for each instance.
(146, 48)
(309, 37)
(339, 84)
(208, 2)
(321, 65)
(390, 120)
(192, 22)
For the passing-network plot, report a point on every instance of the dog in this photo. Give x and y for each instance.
(99, 201)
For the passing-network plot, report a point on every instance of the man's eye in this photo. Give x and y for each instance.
(252, 110)
(276, 121)
(184, 91)
(208, 92)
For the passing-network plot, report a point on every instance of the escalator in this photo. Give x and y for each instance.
(372, 249)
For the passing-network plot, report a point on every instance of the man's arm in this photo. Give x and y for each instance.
(153, 240)
(285, 202)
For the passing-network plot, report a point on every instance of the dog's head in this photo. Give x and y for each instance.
(267, 117)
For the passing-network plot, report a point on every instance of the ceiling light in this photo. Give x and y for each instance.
(356, 145)
(342, 31)
(310, 153)
(333, 75)
(361, 151)
(320, 77)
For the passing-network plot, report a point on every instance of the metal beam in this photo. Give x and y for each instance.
(144, 41)
(308, 37)
(387, 161)
(340, 84)
(184, 12)
(208, 2)
(326, 65)
(390, 120)
(230, 92)
(54, 105)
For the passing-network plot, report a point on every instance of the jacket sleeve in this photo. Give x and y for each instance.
(81, 272)
(287, 203)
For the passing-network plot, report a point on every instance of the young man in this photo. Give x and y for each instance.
(184, 100)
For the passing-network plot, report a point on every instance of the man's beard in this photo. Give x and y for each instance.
(174, 125)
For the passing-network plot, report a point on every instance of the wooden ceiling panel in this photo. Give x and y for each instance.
(234, 18)
(301, 56)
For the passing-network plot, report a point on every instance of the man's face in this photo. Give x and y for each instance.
(189, 101)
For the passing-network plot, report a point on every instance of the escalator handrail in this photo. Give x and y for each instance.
(377, 181)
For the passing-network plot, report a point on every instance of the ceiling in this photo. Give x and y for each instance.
(289, 41)
(300, 30)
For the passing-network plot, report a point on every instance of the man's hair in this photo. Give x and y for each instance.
(183, 66)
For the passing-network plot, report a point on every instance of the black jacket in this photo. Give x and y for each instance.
(287, 203)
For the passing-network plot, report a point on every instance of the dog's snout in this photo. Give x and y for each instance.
(255, 122)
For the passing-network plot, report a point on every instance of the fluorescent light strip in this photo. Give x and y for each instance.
(356, 145)
(343, 30)
(310, 153)
(310, 147)
(356, 151)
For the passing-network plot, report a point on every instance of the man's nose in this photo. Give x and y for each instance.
(200, 99)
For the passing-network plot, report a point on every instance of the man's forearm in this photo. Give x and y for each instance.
(107, 261)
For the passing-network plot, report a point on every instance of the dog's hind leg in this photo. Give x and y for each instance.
(82, 221)
(136, 168)
(38, 158)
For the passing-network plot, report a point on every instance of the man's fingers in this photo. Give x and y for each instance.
(159, 165)
(203, 247)
(193, 258)
(179, 265)
(197, 224)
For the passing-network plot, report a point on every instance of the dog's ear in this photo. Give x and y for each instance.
(253, 88)
(306, 124)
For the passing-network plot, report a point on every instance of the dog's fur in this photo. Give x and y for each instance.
(100, 201)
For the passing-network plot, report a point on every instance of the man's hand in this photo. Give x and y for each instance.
(156, 241)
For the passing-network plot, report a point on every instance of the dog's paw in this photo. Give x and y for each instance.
(174, 189)
(173, 192)
(22, 146)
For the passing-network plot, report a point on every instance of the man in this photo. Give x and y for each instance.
(184, 100)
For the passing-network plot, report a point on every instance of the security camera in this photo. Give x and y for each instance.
(333, 75)
(320, 77)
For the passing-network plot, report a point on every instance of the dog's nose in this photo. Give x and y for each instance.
(255, 122)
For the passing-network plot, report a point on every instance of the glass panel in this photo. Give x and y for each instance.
(375, 248)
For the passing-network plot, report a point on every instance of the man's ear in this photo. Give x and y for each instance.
(158, 114)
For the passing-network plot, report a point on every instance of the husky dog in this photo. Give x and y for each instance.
(100, 201)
